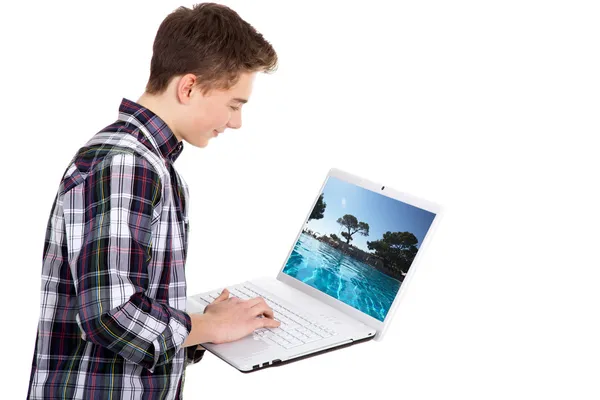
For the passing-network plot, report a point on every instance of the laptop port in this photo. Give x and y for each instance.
(255, 366)
(276, 361)
(265, 364)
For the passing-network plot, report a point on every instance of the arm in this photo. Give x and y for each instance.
(119, 201)
(200, 333)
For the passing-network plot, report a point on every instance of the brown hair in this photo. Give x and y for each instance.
(211, 41)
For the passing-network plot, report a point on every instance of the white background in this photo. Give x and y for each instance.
(488, 108)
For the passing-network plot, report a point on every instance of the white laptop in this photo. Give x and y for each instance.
(343, 278)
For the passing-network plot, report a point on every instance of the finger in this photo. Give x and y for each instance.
(223, 296)
(266, 323)
(255, 301)
(262, 309)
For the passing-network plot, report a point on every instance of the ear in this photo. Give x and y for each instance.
(184, 87)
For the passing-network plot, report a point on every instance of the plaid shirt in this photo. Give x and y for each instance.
(113, 289)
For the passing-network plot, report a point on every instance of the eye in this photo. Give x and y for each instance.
(234, 108)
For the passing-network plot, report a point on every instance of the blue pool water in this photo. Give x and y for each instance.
(342, 277)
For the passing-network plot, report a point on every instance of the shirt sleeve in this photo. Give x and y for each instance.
(119, 201)
(194, 354)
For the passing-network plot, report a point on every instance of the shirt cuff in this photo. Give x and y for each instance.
(170, 342)
(194, 354)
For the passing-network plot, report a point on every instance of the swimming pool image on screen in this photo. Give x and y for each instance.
(358, 245)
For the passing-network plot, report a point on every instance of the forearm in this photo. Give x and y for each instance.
(201, 330)
(140, 330)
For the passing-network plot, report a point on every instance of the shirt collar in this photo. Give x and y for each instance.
(161, 136)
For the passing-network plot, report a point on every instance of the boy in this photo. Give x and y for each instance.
(113, 321)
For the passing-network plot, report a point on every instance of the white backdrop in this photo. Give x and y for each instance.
(490, 110)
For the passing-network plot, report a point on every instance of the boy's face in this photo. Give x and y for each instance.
(207, 115)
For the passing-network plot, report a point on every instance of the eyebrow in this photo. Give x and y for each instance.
(240, 100)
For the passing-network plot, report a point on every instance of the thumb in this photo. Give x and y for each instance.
(223, 296)
(268, 323)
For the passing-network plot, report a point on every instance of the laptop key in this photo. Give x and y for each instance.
(312, 339)
(323, 333)
(205, 299)
(268, 334)
(278, 339)
(304, 331)
(292, 344)
(269, 340)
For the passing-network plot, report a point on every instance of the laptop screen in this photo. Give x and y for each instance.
(358, 245)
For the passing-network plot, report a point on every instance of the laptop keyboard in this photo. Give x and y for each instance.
(296, 328)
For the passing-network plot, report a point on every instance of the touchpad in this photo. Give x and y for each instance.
(243, 347)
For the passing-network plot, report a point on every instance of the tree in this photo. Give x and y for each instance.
(397, 249)
(350, 222)
(334, 237)
(319, 209)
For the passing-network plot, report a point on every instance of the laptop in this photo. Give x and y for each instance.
(343, 278)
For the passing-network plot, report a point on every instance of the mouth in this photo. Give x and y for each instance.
(215, 133)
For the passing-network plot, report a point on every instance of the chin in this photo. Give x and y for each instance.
(201, 142)
(204, 143)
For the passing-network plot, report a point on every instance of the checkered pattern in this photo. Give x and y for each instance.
(113, 293)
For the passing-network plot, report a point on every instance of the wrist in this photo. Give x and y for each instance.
(201, 330)
(206, 334)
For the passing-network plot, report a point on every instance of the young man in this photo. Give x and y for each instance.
(113, 322)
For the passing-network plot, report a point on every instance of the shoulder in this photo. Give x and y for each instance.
(100, 157)
(120, 157)
(125, 163)
(118, 174)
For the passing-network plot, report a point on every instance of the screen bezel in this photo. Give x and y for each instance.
(368, 320)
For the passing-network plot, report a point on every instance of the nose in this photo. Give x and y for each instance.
(235, 122)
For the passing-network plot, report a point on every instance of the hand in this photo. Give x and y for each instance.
(231, 318)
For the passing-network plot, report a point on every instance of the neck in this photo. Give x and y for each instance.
(159, 106)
